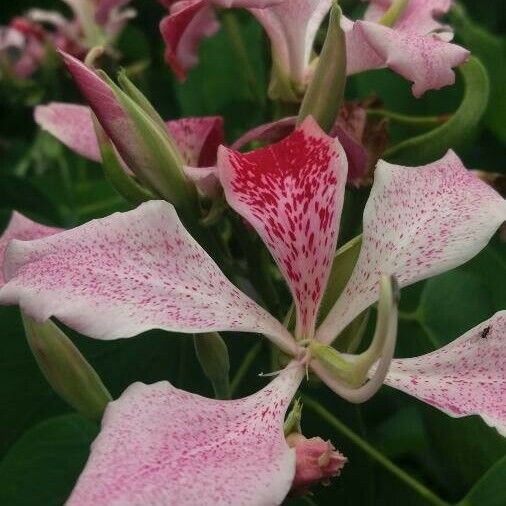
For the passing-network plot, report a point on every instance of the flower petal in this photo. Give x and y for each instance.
(22, 228)
(197, 139)
(465, 377)
(128, 273)
(268, 132)
(182, 30)
(72, 125)
(292, 26)
(426, 60)
(348, 129)
(160, 445)
(292, 193)
(419, 16)
(418, 222)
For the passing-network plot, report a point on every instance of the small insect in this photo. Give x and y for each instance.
(485, 332)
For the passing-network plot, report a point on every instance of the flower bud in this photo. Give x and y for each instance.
(66, 370)
(316, 462)
(325, 93)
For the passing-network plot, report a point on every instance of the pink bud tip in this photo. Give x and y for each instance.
(316, 461)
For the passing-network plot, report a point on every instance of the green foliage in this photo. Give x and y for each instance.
(43, 465)
(389, 442)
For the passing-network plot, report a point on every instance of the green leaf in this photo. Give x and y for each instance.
(491, 50)
(490, 489)
(42, 467)
(230, 77)
(457, 131)
(20, 194)
(342, 267)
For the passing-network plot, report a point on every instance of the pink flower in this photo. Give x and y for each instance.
(291, 26)
(316, 461)
(22, 46)
(416, 45)
(134, 271)
(95, 23)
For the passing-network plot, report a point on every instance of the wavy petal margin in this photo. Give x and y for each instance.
(128, 273)
(465, 377)
(160, 445)
(418, 222)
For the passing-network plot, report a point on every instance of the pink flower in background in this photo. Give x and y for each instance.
(130, 272)
(416, 45)
(24, 43)
(22, 46)
(188, 22)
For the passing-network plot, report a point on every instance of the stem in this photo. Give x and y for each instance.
(244, 367)
(234, 33)
(410, 120)
(415, 485)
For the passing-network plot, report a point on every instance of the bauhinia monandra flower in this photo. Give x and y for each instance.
(130, 272)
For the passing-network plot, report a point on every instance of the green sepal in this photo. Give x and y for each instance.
(457, 131)
(212, 354)
(325, 93)
(123, 183)
(140, 99)
(65, 368)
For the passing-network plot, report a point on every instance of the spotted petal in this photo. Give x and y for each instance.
(160, 445)
(22, 228)
(292, 193)
(72, 125)
(426, 60)
(418, 222)
(128, 273)
(292, 26)
(349, 130)
(419, 16)
(465, 377)
(197, 138)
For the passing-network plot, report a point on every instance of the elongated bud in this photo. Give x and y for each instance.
(139, 139)
(66, 370)
(325, 93)
(212, 353)
(122, 182)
